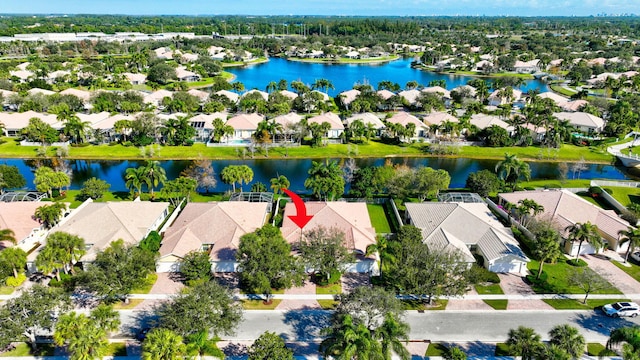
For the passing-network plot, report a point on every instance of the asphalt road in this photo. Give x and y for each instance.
(441, 326)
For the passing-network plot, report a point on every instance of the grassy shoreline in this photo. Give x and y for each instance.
(341, 61)
(568, 153)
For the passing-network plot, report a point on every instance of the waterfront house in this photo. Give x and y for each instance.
(263, 94)
(351, 218)
(18, 217)
(582, 121)
(336, 129)
(482, 234)
(564, 208)
(410, 96)
(244, 125)
(347, 97)
(524, 67)
(233, 97)
(404, 118)
(368, 119)
(214, 227)
(185, 75)
(483, 121)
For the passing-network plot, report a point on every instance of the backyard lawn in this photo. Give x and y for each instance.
(379, 218)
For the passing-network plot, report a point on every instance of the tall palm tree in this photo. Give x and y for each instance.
(72, 247)
(349, 341)
(524, 342)
(631, 235)
(582, 232)
(48, 261)
(154, 175)
(280, 182)
(382, 248)
(511, 169)
(163, 344)
(134, 179)
(271, 86)
(8, 235)
(220, 130)
(391, 334)
(629, 337)
(569, 339)
(199, 344)
(76, 128)
(325, 84)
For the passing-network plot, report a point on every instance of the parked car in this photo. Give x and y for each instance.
(636, 256)
(620, 309)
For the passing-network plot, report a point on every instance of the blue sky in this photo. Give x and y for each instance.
(324, 7)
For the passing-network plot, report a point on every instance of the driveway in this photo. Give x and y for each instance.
(602, 264)
(308, 288)
(468, 304)
(513, 284)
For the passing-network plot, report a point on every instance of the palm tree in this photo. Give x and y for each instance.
(323, 84)
(84, 339)
(106, 318)
(271, 86)
(382, 248)
(237, 86)
(278, 183)
(220, 130)
(76, 128)
(163, 344)
(391, 334)
(154, 175)
(582, 232)
(524, 342)
(568, 339)
(48, 261)
(511, 169)
(200, 344)
(349, 341)
(49, 215)
(631, 235)
(455, 353)
(629, 337)
(134, 179)
(72, 248)
(8, 235)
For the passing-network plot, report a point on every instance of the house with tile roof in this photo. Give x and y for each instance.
(347, 97)
(565, 208)
(582, 121)
(468, 228)
(404, 118)
(14, 122)
(336, 129)
(18, 217)
(214, 227)
(351, 218)
(367, 118)
(233, 97)
(244, 125)
(101, 223)
(483, 121)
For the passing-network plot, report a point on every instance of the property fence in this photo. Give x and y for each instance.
(602, 183)
(500, 211)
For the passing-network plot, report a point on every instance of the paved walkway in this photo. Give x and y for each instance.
(308, 289)
(469, 304)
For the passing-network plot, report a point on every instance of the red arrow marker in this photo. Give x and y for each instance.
(301, 218)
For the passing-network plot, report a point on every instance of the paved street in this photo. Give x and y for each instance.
(444, 326)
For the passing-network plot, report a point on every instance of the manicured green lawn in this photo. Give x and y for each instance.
(328, 304)
(597, 349)
(332, 289)
(436, 349)
(12, 149)
(555, 279)
(571, 304)
(6, 290)
(146, 286)
(578, 183)
(378, 218)
(22, 349)
(420, 305)
(493, 289)
(497, 304)
(625, 195)
(633, 270)
(260, 305)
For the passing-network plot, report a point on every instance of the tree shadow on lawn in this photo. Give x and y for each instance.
(306, 323)
(598, 322)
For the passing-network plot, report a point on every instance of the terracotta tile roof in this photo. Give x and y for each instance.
(264, 95)
(437, 90)
(438, 118)
(404, 118)
(581, 119)
(410, 95)
(18, 216)
(329, 117)
(351, 218)
(288, 119)
(349, 96)
(565, 208)
(245, 121)
(220, 224)
(126, 220)
(483, 121)
(366, 118)
(386, 94)
(289, 94)
(81, 94)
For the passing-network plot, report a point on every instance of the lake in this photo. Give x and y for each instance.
(344, 76)
(296, 170)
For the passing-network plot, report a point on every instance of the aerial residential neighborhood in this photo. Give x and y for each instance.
(375, 185)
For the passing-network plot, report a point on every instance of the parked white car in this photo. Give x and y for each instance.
(636, 256)
(620, 309)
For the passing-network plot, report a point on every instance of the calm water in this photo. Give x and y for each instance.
(345, 76)
(296, 170)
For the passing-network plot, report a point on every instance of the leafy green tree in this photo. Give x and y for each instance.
(39, 131)
(46, 180)
(369, 306)
(206, 307)
(161, 73)
(325, 180)
(483, 182)
(178, 189)
(428, 181)
(195, 265)
(258, 187)
(10, 177)
(546, 244)
(50, 215)
(324, 251)
(455, 353)
(511, 169)
(569, 339)
(587, 280)
(151, 243)
(94, 188)
(70, 248)
(15, 258)
(629, 337)
(269, 346)
(178, 131)
(117, 270)
(582, 232)
(163, 344)
(524, 342)
(266, 262)
(35, 310)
